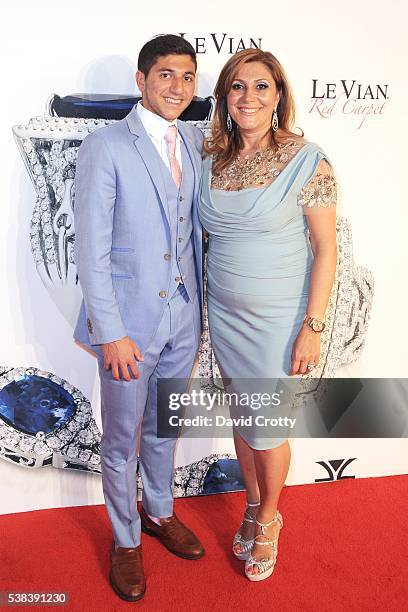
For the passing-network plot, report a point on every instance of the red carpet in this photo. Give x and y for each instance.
(343, 547)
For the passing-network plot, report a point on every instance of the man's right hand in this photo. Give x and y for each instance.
(120, 356)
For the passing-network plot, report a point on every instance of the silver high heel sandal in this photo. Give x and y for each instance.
(245, 545)
(265, 566)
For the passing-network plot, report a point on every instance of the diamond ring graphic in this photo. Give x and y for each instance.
(44, 420)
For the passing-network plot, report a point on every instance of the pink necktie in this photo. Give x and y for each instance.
(170, 138)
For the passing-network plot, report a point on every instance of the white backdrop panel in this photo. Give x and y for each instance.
(92, 47)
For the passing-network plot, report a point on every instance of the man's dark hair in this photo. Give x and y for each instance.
(165, 44)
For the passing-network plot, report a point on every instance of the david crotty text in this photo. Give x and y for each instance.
(222, 421)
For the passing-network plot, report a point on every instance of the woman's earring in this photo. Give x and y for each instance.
(275, 123)
(229, 123)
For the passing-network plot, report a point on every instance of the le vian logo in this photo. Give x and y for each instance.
(222, 43)
(335, 469)
(348, 97)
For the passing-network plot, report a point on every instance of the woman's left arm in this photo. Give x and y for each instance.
(318, 199)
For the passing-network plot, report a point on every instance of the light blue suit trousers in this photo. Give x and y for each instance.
(170, 355)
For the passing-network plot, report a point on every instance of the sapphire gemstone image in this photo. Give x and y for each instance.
(222, 476)
(32, 404)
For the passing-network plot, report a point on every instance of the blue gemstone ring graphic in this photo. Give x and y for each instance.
(44, 420)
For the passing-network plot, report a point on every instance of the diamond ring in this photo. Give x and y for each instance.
(310, 366)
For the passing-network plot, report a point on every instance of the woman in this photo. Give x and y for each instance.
(268, 206)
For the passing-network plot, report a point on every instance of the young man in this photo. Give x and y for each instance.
(139, 260)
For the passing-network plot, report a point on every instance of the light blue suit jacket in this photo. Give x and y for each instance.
(123, 232)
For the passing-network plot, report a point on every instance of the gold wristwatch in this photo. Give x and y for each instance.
(315, 324)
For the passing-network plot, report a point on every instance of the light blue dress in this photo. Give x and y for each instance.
(258, 269)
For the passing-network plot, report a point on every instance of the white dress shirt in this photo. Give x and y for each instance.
(156, 128)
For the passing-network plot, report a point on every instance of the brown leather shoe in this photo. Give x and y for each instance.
(174, 535)
(127, 576)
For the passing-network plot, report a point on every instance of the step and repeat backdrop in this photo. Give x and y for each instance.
(346, 66)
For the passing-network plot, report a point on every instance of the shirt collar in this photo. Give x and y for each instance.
(154, 125)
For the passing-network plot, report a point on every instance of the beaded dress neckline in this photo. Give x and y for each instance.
(258, 171)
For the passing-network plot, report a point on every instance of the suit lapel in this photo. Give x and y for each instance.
(149, 156)
(193, 155)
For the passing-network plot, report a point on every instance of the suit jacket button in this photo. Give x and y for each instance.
(89, 326)
(181, 219)
(181, 199)
(167, 256)
(162, 294)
